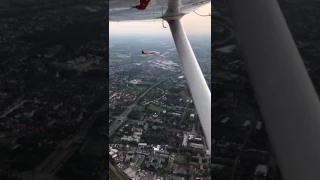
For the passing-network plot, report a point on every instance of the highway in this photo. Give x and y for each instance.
(116, 174)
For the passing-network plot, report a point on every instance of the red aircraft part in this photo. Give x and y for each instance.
(144, 52)
(143, 4)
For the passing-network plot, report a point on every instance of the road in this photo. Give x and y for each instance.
(184, 113)
(116, 174)
(237, 160)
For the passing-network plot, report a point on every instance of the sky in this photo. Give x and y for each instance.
(193, 24)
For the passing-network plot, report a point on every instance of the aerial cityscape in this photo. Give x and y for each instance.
(53, 89)
(241, 146)
(154, 129)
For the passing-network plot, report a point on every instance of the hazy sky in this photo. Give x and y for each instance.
(192, 23)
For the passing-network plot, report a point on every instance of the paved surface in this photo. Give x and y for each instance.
(117, 174)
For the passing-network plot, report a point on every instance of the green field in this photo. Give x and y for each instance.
(140, 108)
(155, 108)
(166, 169)
(180, 159)
(123, 56)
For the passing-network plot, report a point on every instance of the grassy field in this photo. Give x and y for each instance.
(140, 108)
(155, 108)
(123, 56)
(181, 159)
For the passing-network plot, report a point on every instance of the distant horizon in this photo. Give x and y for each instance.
(115, 35)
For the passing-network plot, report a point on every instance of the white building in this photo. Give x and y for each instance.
(114, 150)
(197, 146)
(225, 120)
(137, 133)
(185, 140)
(261, 171)
(247, 123)
(258, 125)
(191, 136)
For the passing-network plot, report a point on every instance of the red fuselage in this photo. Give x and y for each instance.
(148, 52)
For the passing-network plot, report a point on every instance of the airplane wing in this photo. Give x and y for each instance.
(287, 99)
(172, 11)
(122, 10)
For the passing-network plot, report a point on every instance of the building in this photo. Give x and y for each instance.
(142, 144)
(196, 146)
(130, 138)
(140, 161)
(185, 140)
(137, 133)
(247, 123)
(258, 125)
(145, 126)
(261, 172)
(225, 120)
(114, 150)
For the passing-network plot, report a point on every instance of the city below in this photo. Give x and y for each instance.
(154, 129)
